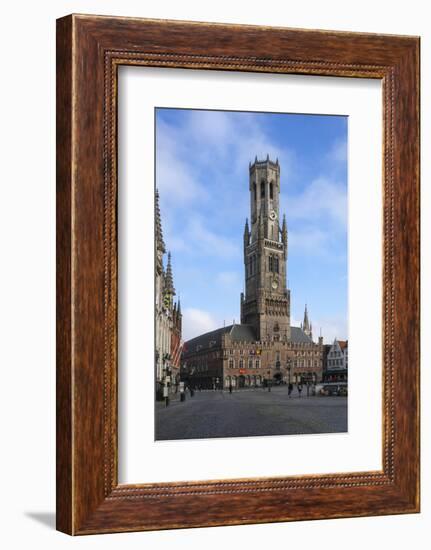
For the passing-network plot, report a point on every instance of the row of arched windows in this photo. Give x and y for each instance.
(250, 363)
(262, 190)
(304, 363)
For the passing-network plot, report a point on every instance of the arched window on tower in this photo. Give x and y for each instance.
(254, 191)
(276, 264)
(271, 191)
(262, 189)
(271, 268)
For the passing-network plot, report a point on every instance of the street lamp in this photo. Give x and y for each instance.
(167, 378)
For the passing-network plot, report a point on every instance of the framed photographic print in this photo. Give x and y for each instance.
(237, 274)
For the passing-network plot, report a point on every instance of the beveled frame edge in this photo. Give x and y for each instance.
(90, 500)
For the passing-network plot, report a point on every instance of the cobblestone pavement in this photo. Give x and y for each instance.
(249, 412)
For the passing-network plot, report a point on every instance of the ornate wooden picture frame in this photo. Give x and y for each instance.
(89, 51)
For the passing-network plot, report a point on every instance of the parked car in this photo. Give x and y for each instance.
(331, 389)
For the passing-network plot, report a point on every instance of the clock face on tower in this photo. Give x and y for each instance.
(274, 284)
(273, 215)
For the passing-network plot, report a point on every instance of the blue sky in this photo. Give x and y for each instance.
(202, 160)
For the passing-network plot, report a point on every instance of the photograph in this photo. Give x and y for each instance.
(251, 273)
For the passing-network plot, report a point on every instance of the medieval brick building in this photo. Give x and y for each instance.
(264, 347)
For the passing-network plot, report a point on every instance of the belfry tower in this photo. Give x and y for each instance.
(266, 303)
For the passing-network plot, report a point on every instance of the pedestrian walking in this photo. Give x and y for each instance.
(230, 388)
(299, 389)
(290, 389)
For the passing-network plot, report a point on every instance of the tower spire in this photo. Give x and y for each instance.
(306, 325)
(160, 244)
(169, 280)
(246, 233)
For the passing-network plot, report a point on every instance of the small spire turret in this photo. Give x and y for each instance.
(306, 325)
(160, 244)
(169, 280)
(284, 234)
(246, 233)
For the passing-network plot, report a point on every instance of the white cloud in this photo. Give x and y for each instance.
(197, 238)
(210, 242)
(196, 322)
(228, 278)
(309, 241)
(338, 151)
(322, 200)
(221, 139)
(332, 327)
(212, 127)
(295, 322)
(175, 179)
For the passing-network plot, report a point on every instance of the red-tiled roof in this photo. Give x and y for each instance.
(342, 343)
